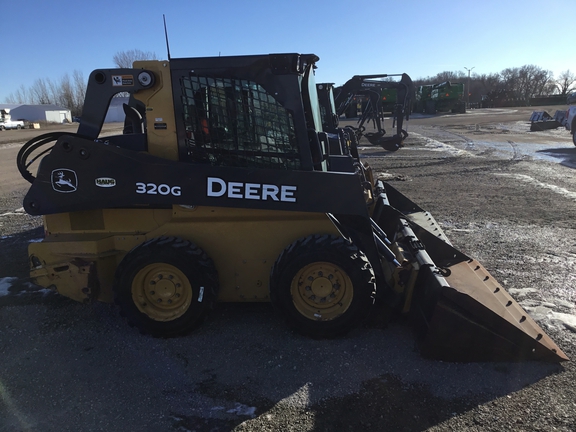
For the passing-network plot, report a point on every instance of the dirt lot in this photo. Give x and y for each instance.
(502, 194)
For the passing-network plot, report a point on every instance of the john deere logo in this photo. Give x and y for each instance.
(105, 182)
(64, 180)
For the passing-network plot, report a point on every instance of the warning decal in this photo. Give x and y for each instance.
(122, 80)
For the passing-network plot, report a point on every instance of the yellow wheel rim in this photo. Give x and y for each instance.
(321, 291)
(162, 292)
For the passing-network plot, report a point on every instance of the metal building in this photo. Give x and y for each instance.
(33, 113)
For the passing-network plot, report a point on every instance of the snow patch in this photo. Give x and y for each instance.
(564, 303)
(567, 320)
(243, 410)
(434, 145)
(24, 288)
(5, 284)
(522, 292)
(528, 179)
(18, 212)
(555, 320)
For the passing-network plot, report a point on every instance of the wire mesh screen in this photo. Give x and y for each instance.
(232, 122)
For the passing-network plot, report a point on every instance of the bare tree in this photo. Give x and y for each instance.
(79, 92)
(68, 93)
(550, 87)
(54, 90)
(510, 80)
(71, 92)
(40, 92)
(565, 81)
(20, 96)
(532, 81)
(124, 59)
(481, 85)
(456, 76)
(488, 83)
(66, 96)
(449, 76)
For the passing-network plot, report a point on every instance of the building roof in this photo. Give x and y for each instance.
(9, 106)
(45, 107)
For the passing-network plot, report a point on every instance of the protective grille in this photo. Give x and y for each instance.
(232, 122)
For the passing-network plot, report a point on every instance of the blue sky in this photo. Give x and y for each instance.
(50, 38)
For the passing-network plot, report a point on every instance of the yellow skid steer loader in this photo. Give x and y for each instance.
(225, 187)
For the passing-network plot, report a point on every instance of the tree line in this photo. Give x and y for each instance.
(67, 92)
(518, 84)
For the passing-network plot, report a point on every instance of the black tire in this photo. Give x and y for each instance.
(430, 107)
(573, 131)
(184, 282)
(341, 286)
(18, 127)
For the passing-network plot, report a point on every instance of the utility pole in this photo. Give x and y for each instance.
(468, 85)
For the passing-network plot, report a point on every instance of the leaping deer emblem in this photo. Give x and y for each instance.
(64, 180)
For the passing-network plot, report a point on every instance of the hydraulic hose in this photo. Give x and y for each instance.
(34, 144)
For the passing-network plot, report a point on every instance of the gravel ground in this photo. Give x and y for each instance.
(68, 366)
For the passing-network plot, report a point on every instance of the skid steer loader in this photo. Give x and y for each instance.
(225, 187)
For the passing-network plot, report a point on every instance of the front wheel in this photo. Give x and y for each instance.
(323, 286)
(165, 286)
(430, 107)
(574, 136)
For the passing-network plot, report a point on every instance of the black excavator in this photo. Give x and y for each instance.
(373, 88)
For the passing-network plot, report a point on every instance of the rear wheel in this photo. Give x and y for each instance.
(165, 286)
(322, 285)
(574, 133)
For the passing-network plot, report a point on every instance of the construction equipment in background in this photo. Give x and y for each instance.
(341, 139)
(541, 120)
(374, 88)
(360, 102)
(225, 187)
(356, 106)
(441, 97)
(389, 99)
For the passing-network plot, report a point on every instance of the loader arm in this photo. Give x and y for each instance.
(103, 84)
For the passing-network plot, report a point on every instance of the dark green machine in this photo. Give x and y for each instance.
(441, 97)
